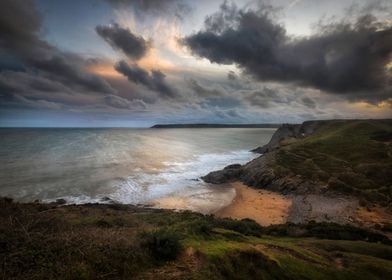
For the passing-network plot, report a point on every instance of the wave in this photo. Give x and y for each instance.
(178, 181)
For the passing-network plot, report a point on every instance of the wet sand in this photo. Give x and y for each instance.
(263, 206)
(202, 201)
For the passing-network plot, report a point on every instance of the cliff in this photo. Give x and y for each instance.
(351, 157)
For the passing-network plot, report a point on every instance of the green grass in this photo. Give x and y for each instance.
(353, 157)
(109, 242)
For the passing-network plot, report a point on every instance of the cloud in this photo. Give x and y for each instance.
(203, 91)
(343, 58)
(175, 8)
(262, 98)
(135, 47)
(20, 27)
(59, 68)
(37, 103)
(14, 86)
(154, 81)
(231, 76)
(122, 103)
(309, 102)
(24, 90)
(228, 115)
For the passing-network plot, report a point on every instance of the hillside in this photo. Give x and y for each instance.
(50, 241)
(351, 157)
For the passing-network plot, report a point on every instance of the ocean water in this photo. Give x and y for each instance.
(158, 167)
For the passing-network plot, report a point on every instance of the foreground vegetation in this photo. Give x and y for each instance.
(352, 157)
(124, 242)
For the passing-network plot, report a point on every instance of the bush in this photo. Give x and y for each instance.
(244, 226)
(162, 245)
(200, 227)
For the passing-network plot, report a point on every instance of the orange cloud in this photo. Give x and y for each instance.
(105, 70)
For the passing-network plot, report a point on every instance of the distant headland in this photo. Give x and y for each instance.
(215, 125)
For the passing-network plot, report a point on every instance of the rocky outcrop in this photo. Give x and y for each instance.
(228, 174)
(287, 131)
(324, 165)
(260, 172)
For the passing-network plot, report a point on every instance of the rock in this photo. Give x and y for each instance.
(286, 131)
(259, 173)
(233, 166)
(106, 199)
(228, 174)
(61, 201)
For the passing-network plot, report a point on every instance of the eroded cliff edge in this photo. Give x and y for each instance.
(352, 157)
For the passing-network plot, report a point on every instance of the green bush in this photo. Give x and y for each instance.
(200, 227)
(244, 226)
(162, 245)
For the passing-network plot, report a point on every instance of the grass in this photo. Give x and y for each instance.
(124, 242)
(352, 157)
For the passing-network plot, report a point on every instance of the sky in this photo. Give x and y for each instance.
(135, 63)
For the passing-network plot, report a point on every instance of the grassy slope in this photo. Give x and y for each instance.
(353, 157)
(104, 242)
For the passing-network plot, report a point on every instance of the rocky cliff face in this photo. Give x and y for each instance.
(260, 172)
(290, 155)
(287, 131)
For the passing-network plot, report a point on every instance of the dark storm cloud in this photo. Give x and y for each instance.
(308, 102)
(344, 58)
(60, 68)
(20, 26)
(260, 99)
(123, 39)
(228, 114)
(280, 95)
(164, 7)
(203, 91)
(154, 80)
(36, 103)
(231, 76)
(24, 90)
(27, 86)
(122, 103)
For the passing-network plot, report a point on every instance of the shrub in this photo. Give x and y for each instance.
(387, 227)
(200, 227)
(162, 245)
(244, 226)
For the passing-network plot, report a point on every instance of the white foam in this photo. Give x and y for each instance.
(177, 178)
(178, 181)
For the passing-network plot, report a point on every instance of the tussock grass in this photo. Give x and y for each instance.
(353, 157)
(124, 242)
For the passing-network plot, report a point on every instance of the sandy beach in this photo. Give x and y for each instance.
(266, 208)
(263, 206)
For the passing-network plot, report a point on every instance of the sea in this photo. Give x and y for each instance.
(141, 166)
